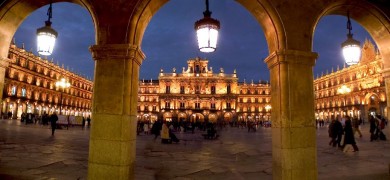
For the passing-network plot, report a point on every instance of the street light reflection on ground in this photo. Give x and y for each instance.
(63, 83)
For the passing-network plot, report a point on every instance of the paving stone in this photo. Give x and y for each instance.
(32, 153)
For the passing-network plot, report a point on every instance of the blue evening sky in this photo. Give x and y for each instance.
(170, 39)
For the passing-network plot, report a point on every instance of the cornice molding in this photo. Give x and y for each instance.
(117, 52)
(291, 57)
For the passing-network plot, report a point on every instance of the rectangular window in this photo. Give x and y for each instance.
(197, 89)
(181, 89)
(212, 89)
(212, 105)
(23, 92)
(228, 105)
(167, 105)
(182, 105)
(197, 105)
(168, 89)
(13, 91)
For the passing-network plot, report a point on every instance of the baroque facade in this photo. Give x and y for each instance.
(357, 90)
(30, 87)
(199, 94)
(120, 27)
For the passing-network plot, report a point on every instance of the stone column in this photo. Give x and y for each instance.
(4, 63)
(386, 77)
(294, 150)
(114, 111)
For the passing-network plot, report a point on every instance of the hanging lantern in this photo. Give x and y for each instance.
(351, 47)
(46, 36)
(207, 31)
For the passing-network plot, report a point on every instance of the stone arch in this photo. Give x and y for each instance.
(262, 10)
(369, 16)
(368, 97)
(9, 22)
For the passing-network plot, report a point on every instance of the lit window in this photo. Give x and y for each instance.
(13, 90)
(23, 92)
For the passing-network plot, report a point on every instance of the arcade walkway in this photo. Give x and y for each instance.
(30, 152)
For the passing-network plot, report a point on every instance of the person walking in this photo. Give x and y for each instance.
(331, 133)
(156, 128)
(373, 128)
(337, 131)
(356, 124)
(83, 123)
(53, 122)
(89, 121)
(349, 138)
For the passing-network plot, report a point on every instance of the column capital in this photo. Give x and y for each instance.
(286, 56)
(386, 73)
(117, 51)
(4, 62)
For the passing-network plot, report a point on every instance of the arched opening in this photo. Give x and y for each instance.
(22, 52)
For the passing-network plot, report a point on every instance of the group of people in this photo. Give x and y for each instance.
(377, 124)
(336, 132)
(167, 129)
(350, 128)
(161, 128)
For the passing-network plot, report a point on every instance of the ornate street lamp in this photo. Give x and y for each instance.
(46, 36)
(207, 31)
(351, 47)
(63, 83)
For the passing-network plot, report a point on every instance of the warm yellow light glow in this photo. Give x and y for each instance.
(62, 83)
(343, 90)
(268, 107)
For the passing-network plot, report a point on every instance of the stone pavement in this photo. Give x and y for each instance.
(30, 152)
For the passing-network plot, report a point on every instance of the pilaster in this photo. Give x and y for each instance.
(4, 63)
(293, 123)
(114, 111)
(386, 77)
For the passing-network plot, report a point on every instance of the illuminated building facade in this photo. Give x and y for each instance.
(357, 90)
(198, 94)
(30, 87)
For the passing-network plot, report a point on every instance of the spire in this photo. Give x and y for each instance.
(338, 67)
(344, 66)
(22, 45)
(332, 70)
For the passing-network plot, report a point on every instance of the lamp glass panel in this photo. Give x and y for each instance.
(351, 54)
(45, 43)
(207, 38)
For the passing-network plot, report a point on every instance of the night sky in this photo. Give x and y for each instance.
(170, 39)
